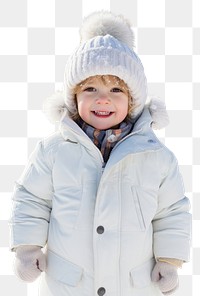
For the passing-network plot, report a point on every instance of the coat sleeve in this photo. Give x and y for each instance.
(172, 222)
(32, 199)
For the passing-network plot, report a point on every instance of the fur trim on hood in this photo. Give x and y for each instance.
(54, 107)
(158, 112)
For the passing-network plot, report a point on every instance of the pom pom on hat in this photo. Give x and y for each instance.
(105, 23)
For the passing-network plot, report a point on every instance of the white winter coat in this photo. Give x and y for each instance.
(102, 227)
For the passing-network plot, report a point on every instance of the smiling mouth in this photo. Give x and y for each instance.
(102, 113)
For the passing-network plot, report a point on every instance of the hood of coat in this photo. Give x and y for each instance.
(54, 107)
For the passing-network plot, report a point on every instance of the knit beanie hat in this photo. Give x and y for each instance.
(106, 48)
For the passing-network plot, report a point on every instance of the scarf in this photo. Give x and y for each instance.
(105, 140)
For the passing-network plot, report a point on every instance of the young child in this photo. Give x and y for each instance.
(100, 208)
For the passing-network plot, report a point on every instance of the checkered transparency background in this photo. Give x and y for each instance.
(36, 37)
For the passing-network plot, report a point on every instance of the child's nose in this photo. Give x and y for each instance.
(103, 99)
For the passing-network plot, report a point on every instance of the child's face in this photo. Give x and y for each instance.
(102, 105)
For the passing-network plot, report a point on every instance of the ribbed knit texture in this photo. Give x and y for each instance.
(105, 55)
(29, 263)
(166, 277)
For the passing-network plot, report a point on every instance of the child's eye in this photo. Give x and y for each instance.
(90, 89)
(116, 89)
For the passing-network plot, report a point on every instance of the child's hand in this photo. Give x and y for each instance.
(29, 263)
(166, 277)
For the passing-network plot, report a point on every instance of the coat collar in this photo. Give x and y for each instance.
(141, 139)
(69, 128)
(144, 121)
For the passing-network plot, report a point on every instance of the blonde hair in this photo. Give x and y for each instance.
(105, 79)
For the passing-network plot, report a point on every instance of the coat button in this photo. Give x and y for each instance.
(100, 229)
(101, 291)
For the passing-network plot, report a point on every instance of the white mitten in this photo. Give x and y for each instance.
(166, 277)
(30, 261)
